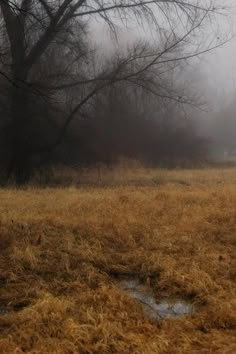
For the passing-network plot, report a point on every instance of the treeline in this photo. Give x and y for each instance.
(156, 132)
(62, 101)
(120, 122)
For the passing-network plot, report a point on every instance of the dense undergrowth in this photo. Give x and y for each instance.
(63, 249)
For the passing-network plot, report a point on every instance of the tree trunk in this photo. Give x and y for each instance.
(20, 163)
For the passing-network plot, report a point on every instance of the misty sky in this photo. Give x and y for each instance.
(220, 64)
(218, 67)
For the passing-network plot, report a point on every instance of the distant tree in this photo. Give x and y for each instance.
(223, 130)
(45, 58)
(124, 122)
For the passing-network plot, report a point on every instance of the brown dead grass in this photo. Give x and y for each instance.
(63, 248)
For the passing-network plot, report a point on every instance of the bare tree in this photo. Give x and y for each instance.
(34, 30)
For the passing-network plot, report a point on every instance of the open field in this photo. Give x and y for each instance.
(64, 249)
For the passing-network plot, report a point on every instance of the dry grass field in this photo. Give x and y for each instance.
(63, 251)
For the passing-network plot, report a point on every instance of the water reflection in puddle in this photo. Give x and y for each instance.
(168, 307)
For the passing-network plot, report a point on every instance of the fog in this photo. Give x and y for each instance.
(214, 73)
(221, 64)
(218, 67)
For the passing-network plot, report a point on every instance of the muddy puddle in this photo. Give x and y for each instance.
(153, 308)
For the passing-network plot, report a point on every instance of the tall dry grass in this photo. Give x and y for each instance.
(63, 249)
